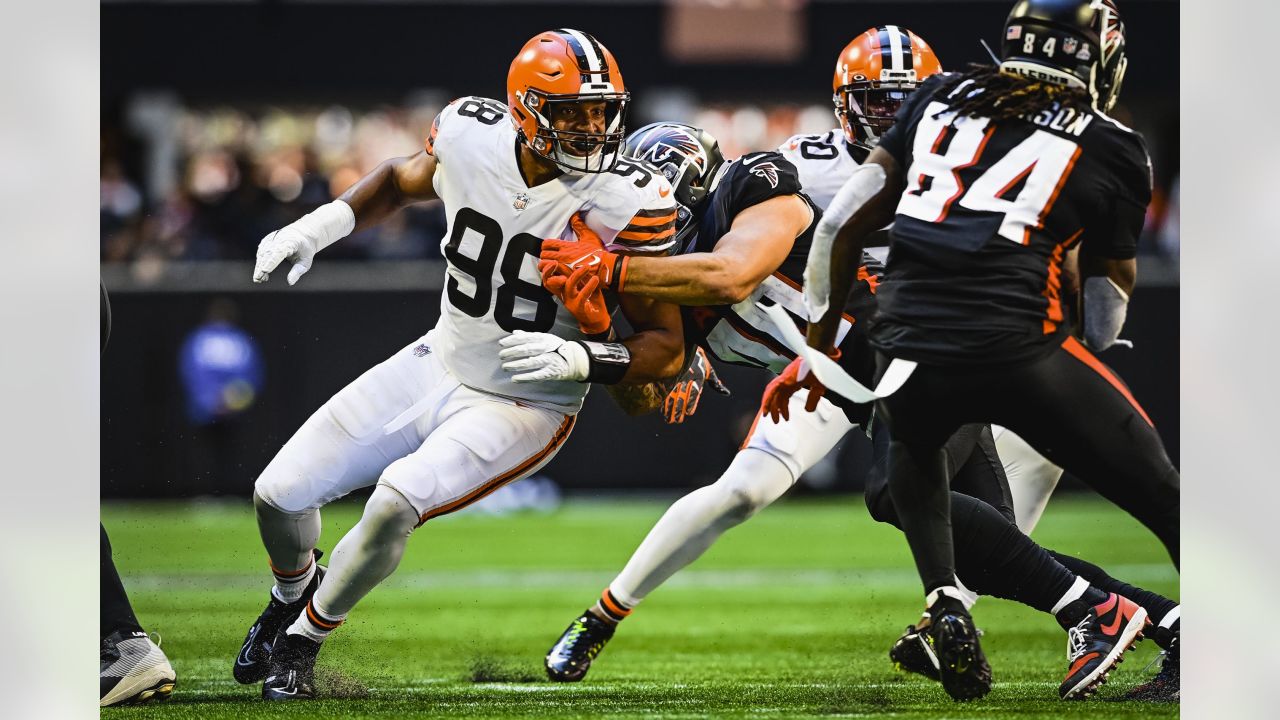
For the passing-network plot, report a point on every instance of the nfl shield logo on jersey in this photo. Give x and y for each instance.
(522, 201)
(421, 350)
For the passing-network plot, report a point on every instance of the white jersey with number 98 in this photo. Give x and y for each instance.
(496, 224)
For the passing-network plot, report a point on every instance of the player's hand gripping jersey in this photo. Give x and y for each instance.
(495, 228)
(988, 213)
(741, 333)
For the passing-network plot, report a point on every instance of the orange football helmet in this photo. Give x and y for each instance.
(874, 74)
(568, 66)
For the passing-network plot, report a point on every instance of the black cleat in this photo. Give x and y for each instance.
(291, 674)
(133, 670)
(255, 654)
(1166, 685)
(571, 656)
(913, 651)
(962, 667)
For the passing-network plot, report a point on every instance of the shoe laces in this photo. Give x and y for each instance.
(575, 631)
(1078, 640)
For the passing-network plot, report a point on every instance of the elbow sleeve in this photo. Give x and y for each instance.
(1105, 307)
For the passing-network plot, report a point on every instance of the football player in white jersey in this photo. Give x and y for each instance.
(439, 424)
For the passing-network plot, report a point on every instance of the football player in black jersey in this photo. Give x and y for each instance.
(990, 177)
(132, 668)
(719, 277)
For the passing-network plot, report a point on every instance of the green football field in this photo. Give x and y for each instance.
(790, 615)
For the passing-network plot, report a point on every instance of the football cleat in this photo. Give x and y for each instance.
(133, 670)
(291, 673)
(1098, 643)
(255, 654)
(1166, 685)
(571, 656)
(962, 666)
(913, 650)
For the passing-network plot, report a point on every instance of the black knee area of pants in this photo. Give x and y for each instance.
(880, 505)
(993, 557)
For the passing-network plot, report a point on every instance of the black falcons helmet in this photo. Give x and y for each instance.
(688, 156)
(1079, 43)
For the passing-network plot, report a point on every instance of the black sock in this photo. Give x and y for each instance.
(117, 614)
(994, 557)
(1156, 605)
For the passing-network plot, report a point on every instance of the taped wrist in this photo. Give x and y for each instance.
(1105, 308)
(327, 224)
(607, 361)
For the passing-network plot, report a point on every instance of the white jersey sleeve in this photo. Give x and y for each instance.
(634, 212)
(823, 162)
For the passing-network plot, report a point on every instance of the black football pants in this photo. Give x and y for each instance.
(1068, 406)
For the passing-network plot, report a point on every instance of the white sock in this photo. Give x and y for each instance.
(950, 591)
(753, 480)
(314, 623)
(289, 587)
(967, 596)
(1073, 593)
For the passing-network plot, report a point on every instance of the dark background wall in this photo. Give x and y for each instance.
(280, 52)
(316, 342)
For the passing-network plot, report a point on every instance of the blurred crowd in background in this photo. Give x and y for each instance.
(185, 183)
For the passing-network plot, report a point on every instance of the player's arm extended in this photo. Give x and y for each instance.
(756, 244)
(392, 185)
(846, 249)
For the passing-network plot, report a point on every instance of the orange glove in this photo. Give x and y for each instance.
(564, 256)
(581, 295)
(682, 400)
(797, 375)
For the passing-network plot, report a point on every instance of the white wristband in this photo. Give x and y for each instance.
(327, 224)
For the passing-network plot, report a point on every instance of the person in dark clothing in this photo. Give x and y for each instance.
(990, 177)
(133, 668)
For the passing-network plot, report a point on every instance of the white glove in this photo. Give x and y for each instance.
(287, 242)
(301, 240)
(543, 356)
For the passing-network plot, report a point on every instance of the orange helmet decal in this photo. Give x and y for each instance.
(566, 66)
(883, 65)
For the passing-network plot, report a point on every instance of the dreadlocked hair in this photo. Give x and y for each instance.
(1001, 96)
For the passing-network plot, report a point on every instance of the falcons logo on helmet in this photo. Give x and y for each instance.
(768, 171)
